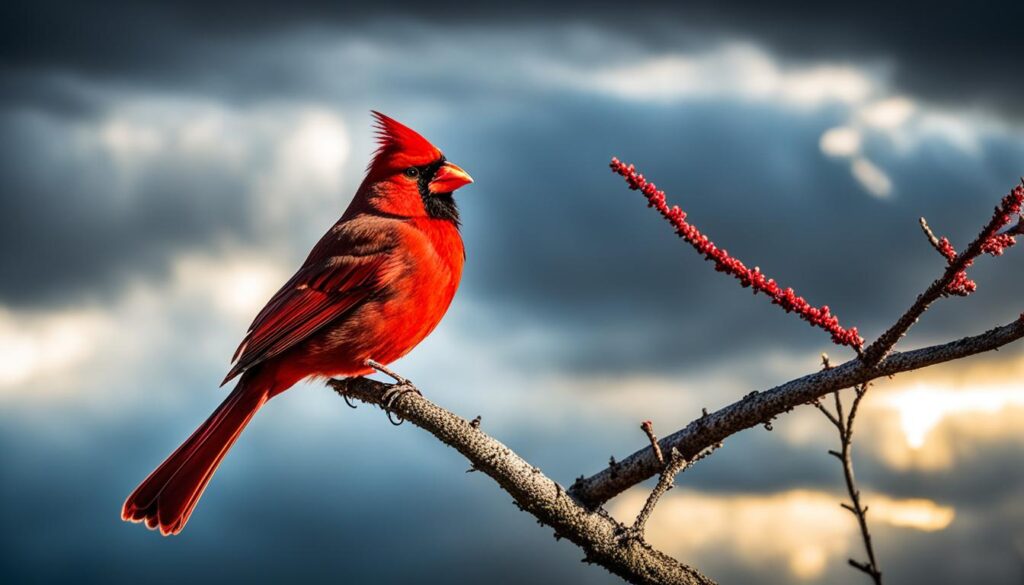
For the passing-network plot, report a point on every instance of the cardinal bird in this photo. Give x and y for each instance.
(373, 287)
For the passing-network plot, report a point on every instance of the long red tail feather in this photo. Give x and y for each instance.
(166, 498)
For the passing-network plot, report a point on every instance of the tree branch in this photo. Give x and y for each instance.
(577, 514)
(760, 407)
(593, 530)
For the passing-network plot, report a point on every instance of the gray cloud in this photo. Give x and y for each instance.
(67, 228)
(953, 55)
(582, 252)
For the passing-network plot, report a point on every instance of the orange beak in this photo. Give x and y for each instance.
(449, 178)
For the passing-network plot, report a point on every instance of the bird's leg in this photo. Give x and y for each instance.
(393, 394)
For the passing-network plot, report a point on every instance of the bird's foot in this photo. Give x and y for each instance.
(395, 392)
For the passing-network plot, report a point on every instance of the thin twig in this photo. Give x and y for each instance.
(860, 511)
(826, 364)
(648, 428)
(676, 464)
(928, 233)
(886, 341)
(1017, 230)
(824, 410)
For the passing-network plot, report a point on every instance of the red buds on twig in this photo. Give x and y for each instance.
(787, 299)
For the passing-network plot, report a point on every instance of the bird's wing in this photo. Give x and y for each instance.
(318, 294)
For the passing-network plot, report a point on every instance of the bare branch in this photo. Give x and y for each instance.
(760, 407)
(594, 531)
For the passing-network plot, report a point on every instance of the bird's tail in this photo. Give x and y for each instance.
(166, 498)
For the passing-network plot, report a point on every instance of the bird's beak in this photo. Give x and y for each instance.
(449, 178)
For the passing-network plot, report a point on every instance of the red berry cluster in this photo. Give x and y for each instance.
(993, 243)
(785, 298)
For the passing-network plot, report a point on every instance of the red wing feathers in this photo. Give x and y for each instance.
(314, 297)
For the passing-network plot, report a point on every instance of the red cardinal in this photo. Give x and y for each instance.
(373, 287)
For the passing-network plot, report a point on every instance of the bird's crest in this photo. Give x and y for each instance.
(399, 145)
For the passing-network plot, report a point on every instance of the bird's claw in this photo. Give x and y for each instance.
(347, 401)
(393, 395)
(395, 392)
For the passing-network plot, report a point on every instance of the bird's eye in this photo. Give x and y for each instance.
(412, 172)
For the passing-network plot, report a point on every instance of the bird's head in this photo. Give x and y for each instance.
(409, 176)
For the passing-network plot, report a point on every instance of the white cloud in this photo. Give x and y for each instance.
(238, 285)
(842, 141)
(59, 354)
(922, 407)
(41, 346)
(733, 70)
(746, 72)
(873, 179)
(307, 167)
(303, 167)
(887, 113)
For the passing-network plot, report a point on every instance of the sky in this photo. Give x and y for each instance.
(164, 167)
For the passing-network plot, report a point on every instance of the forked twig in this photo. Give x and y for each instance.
(676, 464)
(844, 424)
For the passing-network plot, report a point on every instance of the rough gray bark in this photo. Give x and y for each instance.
(605, 541)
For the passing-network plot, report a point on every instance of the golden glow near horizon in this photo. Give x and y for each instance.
(931, 419)
(923, 407)
(806, 530)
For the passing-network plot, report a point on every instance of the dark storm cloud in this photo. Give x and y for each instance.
(65, 231)
(568, 244)
(953, 54)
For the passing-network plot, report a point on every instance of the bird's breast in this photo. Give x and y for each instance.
(416, 286)
(427, 273)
